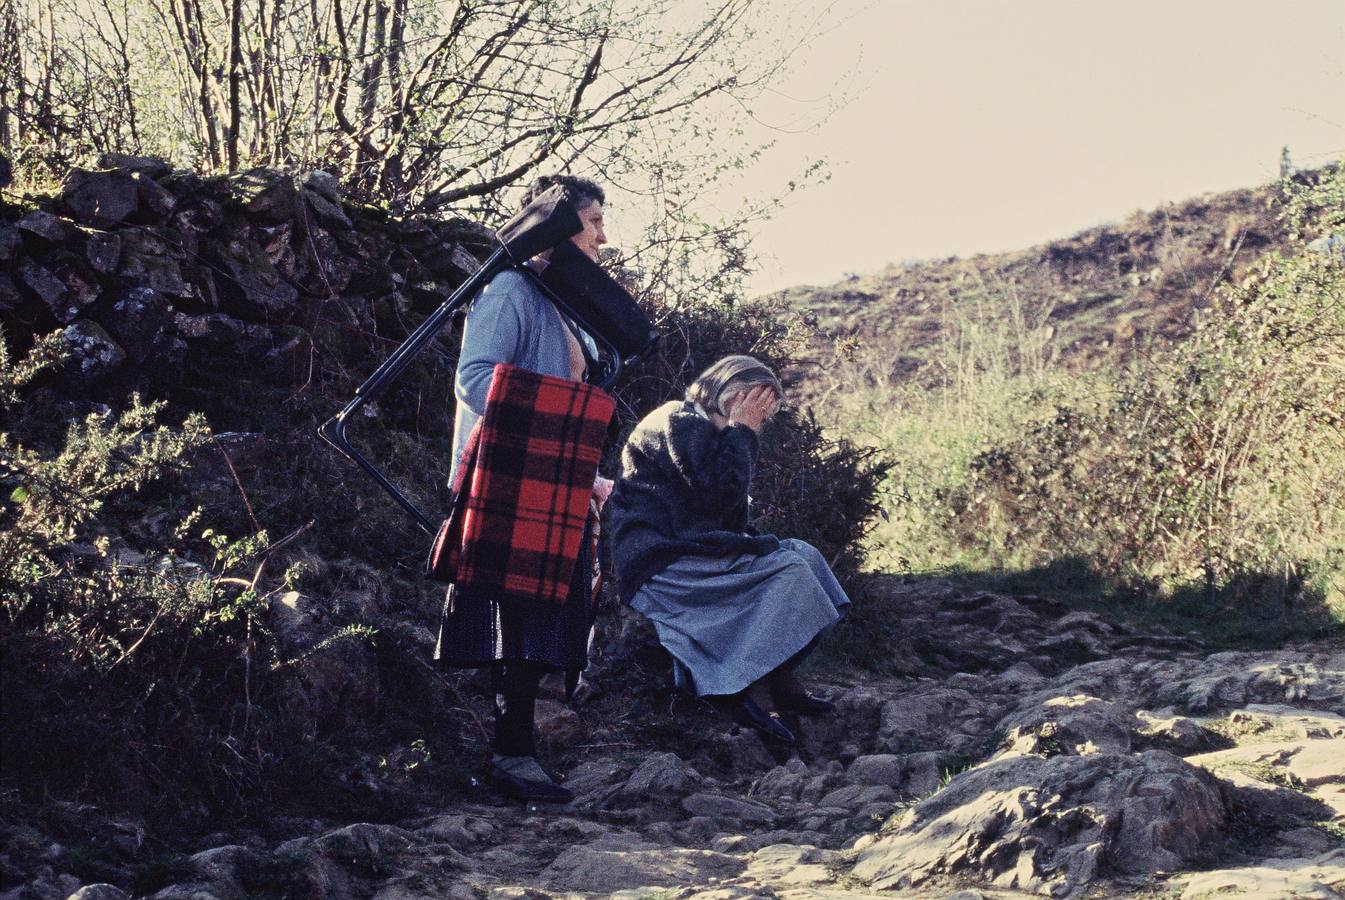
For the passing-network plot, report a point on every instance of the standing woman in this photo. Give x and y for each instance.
(512, 322)
(738, 610)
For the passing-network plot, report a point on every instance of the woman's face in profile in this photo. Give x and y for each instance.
(593, 236)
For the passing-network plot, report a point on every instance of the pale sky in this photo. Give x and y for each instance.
(990, 125)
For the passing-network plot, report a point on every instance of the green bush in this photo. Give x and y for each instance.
(1218, 464)
(126, 675)
(1211, 469)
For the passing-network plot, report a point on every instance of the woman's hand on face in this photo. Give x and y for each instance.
(753, 407)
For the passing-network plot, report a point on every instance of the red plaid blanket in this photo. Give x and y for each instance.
(522, 492)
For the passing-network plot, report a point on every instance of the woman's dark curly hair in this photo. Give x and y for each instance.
(579, 191)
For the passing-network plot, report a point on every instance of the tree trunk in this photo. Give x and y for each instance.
(235, 81)
(11, 76)
(392, 169)
(369, 83)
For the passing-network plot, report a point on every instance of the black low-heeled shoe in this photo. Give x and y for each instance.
(749, 713)
(805, 704)
(527, 789)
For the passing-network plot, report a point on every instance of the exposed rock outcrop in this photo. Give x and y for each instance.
(1052, 825)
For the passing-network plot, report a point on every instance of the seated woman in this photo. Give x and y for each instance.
(739, 610)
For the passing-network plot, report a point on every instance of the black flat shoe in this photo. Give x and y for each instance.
(768, 724)
(527, 789)
(805, 704)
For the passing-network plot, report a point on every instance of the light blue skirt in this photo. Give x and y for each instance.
(730, 620)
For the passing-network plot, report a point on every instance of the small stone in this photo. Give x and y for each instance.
(856, 796)
(100, 198)
(558, 725)
(365, 843)
(216, 329)
(44, 225)
(699, 829)
(1052, 818)
(157, 272)
(269, 197)
(148, 166)
(184, 183)
(1178, 732)
(156, 201)
(199, 214)
(727, 808)
(277, 242)
(102, 250)
(817, 786)
(93, 353)
(747, 750)
(779, 783)
(327, 210)
(461, 832)
(250, 286)
(35, 280)
(230, 863)
(141, 320)
(880, 768)
(321, 269)
(450, 261)
(1077, 724)
(11, 242)
(81, 283)
(324, 184)
(10, 298)
(661, 775)
(596, 779)
(426, 296)
(100, 892)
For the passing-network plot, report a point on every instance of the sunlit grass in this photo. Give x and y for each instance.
(1198, 488)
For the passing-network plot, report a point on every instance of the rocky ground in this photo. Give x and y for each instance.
(1032, 750)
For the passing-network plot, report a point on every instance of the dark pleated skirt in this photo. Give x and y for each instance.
(479, 631)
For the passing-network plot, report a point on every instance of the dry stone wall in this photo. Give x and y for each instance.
(147, 271)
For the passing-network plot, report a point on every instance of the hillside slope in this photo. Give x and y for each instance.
(1094, 298)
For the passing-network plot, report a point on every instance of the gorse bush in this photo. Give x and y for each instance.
(811, 485)
(125, 675)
